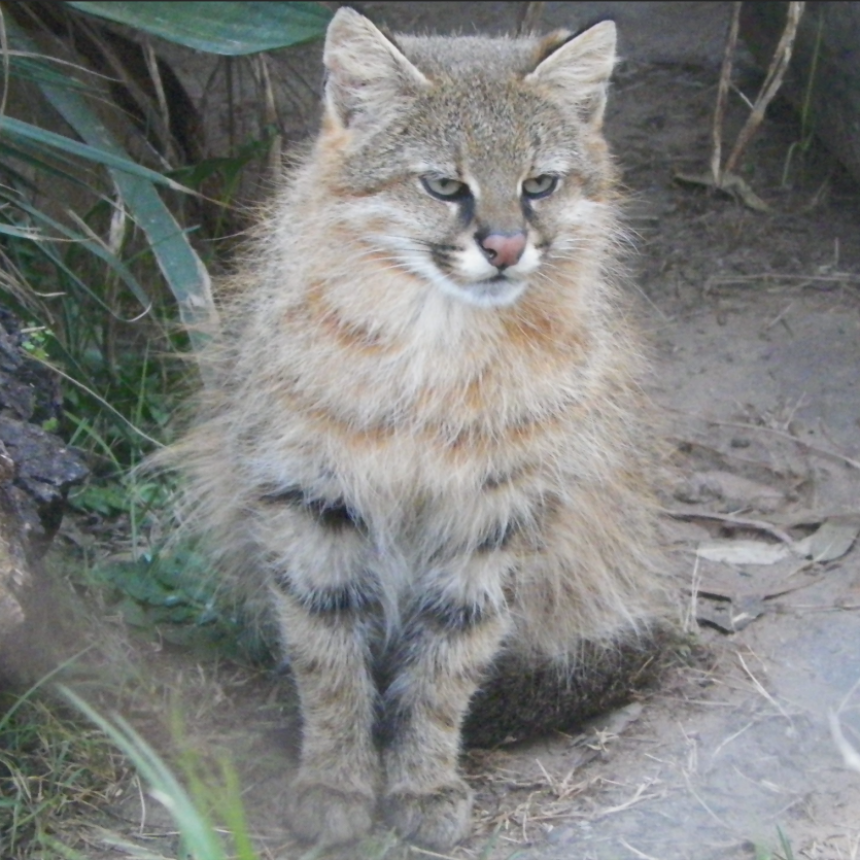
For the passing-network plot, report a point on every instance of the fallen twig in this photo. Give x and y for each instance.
(771, 85)
(759, 525)
(530, 17)
(723, 177)
(723, 92)
(825, 452)
(730, 184)
(761, 689)
(849, 755)
(777, 277)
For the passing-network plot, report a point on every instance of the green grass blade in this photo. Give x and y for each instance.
(7, 716)
(91, 245)
(234, 814)
(15, 232)
(226, 28)
(785, 844)
(197, 831)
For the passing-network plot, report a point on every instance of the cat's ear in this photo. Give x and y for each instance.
(366, 73)
(576, 70)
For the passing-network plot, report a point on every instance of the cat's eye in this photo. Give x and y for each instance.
(536, 187)
(444, 188)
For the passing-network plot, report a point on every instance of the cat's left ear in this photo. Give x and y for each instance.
(576, 70)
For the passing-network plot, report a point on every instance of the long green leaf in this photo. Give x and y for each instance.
(17, 129)
(179, 263)
(41, 70)
(228, 28)
(35, 156)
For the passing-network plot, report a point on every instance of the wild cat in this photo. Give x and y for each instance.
(423, 429)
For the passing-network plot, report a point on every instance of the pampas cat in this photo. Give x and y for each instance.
(423, 431)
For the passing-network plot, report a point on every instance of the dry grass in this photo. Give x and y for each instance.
(518, 802)
(66, 789)
(56, 777)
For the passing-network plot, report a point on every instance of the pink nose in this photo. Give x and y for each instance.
(503, 249)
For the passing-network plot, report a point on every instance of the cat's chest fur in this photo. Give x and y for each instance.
(430, 401)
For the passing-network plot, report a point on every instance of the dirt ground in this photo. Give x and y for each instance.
(754, 319)
(755, 322)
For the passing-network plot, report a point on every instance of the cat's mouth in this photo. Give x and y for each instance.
(497, 291)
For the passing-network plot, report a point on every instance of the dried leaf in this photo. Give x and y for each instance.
(849, 755)
(729, 616)
(743, 551)
(831, 540)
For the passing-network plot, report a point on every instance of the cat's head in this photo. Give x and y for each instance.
(475, 163)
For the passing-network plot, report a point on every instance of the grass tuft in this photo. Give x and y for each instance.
(53, 772)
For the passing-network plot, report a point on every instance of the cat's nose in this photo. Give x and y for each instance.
(503, 249)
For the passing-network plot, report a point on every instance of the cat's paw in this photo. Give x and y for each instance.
(437, 821)
(328, 816)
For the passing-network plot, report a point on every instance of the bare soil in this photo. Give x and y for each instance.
(754, 319)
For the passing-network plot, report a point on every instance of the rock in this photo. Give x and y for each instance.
(43, 466)
(15, 574)
(36, 470)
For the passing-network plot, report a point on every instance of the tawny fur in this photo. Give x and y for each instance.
(428, 462)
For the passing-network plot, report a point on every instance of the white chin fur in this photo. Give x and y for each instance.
(484, 294)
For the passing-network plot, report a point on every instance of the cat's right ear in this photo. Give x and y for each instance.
(576, 70)
(367, 75)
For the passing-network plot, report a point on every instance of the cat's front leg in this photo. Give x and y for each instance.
(327, 605)
(450, 636)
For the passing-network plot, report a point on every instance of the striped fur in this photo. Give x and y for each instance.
(427, 460)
